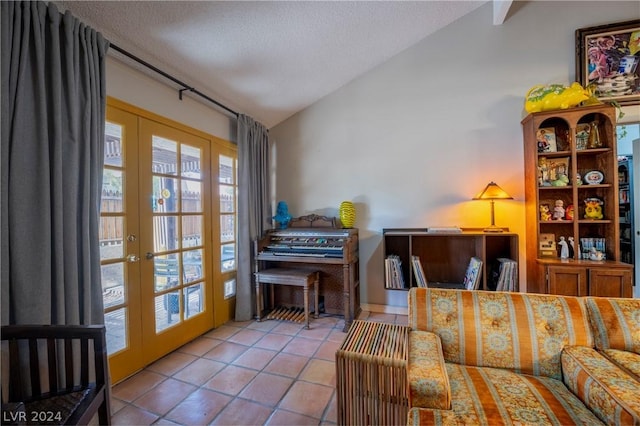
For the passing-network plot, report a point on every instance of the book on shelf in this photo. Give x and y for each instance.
(474, 273)
(404, 231)
(393, 272)
(506, 275)
(444, 230)
(421, 279)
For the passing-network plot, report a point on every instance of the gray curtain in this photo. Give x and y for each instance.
(53, 118)
(254, 208)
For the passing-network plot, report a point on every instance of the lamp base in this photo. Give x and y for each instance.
(495, 229)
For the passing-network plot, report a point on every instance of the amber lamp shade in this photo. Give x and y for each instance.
(493, 192)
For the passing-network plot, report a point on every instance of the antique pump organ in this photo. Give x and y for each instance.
(308, 246)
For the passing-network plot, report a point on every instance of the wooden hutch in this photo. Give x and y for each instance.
(584, 144)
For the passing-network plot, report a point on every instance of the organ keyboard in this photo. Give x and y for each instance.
(293, 243)
(333, 252)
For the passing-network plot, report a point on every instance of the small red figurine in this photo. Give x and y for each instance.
(569, 212)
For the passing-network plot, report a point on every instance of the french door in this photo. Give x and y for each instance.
(119, 244)
(155, 239)
(174, 251)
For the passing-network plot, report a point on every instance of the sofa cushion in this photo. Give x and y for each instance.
(610, 392)
(628, 361)
(521, 332)
(426, 416)
(426, 371)
(615, 322)
(493, 396)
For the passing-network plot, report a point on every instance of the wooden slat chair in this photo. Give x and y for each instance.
(58, 374)
(168, 268)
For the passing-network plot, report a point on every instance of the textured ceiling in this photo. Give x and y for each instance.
(266, 59)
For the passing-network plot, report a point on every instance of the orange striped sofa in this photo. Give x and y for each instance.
(493, 358)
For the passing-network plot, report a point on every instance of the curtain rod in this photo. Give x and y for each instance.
(172, 78)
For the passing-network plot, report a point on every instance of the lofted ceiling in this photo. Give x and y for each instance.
(268, 59)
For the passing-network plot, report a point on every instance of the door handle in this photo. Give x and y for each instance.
(132, 258)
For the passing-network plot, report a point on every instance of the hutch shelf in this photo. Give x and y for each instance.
(577, 171)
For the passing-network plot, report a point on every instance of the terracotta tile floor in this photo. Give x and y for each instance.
(242, 373)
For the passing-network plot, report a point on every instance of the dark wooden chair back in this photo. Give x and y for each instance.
(56, 366)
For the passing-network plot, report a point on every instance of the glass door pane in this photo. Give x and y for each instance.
(111, 234)
(119, 249)
(228, 190)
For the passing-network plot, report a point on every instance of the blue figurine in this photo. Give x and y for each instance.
(282, 216)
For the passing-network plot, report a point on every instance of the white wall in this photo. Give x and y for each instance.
(627, 133)
(137, 88)
(412, 141)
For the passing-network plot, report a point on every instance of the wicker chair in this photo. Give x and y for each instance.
(58, 374)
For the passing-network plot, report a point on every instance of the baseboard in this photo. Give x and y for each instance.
(385, 309)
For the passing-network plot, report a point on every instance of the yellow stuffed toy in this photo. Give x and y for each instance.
(593, 209)
(545, 214)
(554, 96)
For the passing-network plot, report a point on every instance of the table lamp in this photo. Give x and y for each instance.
(493, 192)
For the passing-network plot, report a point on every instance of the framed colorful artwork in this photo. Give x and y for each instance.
(607, 61)
(553, 171)
(546, 138)
(582, 135)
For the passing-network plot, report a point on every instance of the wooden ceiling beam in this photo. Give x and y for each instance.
(500, 10)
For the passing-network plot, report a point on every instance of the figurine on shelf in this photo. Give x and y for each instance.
(282, 216)
(563, 180)
(569, 213)
(572, 248)
(594, 136)
(595, 254)
(558, 210)
(578, 179)
(543, 172)
(564, 248)
(593, 208)
(545, 215)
